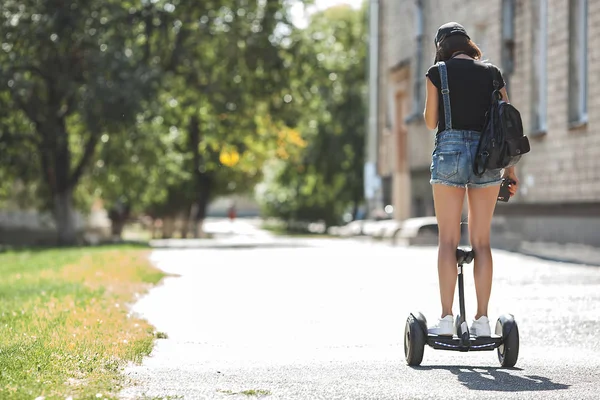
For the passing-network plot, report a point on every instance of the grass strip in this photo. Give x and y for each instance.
(65, 328)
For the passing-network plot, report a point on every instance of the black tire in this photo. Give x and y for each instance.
(508, 352)
(415, 339)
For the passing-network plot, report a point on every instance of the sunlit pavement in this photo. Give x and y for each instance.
(324, 319)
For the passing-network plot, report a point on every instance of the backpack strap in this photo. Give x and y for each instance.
(445, 94)
(495, 82)
(480, 163)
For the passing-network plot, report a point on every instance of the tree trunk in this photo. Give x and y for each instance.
(64, 214)
(117, 226)
(191, 220)
(185, 226)
(202, 179)
(168, 227)
(204, 185)
(56, 164)
(355, 207)
(119, 215)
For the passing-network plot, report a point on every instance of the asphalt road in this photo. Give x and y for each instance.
(324, 319)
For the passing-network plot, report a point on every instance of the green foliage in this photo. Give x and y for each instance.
(70, 72)
(73, 70)
(208, 131)
(167, 104)
(328, 90)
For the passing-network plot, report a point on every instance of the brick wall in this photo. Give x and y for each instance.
(564, 165)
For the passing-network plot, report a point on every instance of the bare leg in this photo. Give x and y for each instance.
(482, 203)
(448, 203)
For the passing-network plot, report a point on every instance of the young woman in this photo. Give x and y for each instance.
(459, 123)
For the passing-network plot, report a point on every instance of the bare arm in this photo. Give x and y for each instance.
(431, 105)
(504, 94)
(510, 172)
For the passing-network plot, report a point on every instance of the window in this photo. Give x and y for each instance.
(508, 40)
(578, 62)
(539, 79)
(419, 80)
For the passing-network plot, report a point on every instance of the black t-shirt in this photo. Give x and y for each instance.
(471, 85)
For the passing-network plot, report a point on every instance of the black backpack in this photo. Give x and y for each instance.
(502, 142)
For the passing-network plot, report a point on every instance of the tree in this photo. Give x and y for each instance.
(162, 101)
(73, 69)
(17, 156)
(219, 88)
(328, 90)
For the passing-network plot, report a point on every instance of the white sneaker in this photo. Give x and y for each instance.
(481, 327)
(444, 327)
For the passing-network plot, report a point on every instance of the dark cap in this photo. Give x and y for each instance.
(450, 29)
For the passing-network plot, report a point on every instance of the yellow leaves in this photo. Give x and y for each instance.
(282, 142)
(289, 141)
(294, 137)
(229, 157)
(282, 153)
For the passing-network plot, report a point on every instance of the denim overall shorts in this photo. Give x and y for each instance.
(454, 152)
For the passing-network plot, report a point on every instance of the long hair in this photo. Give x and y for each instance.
(454, 44)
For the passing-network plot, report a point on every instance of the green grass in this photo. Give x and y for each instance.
(161, 335)
(249, 393)
(65, 329)
(253, 392)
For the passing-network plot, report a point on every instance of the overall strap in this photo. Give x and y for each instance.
(445, 94)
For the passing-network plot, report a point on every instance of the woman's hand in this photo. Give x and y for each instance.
(511, 174)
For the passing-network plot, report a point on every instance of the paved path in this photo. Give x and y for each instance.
(325, 320)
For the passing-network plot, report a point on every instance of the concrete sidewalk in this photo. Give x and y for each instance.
(224, 234)
(243, 233)
(571, 253)
(247, 233)
(327, 322)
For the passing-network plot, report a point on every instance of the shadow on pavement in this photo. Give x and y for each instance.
(498, 379)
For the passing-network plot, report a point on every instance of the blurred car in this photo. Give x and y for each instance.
(387, 229)
(420, 231)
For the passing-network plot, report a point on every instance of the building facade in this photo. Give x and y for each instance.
(548, 52)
